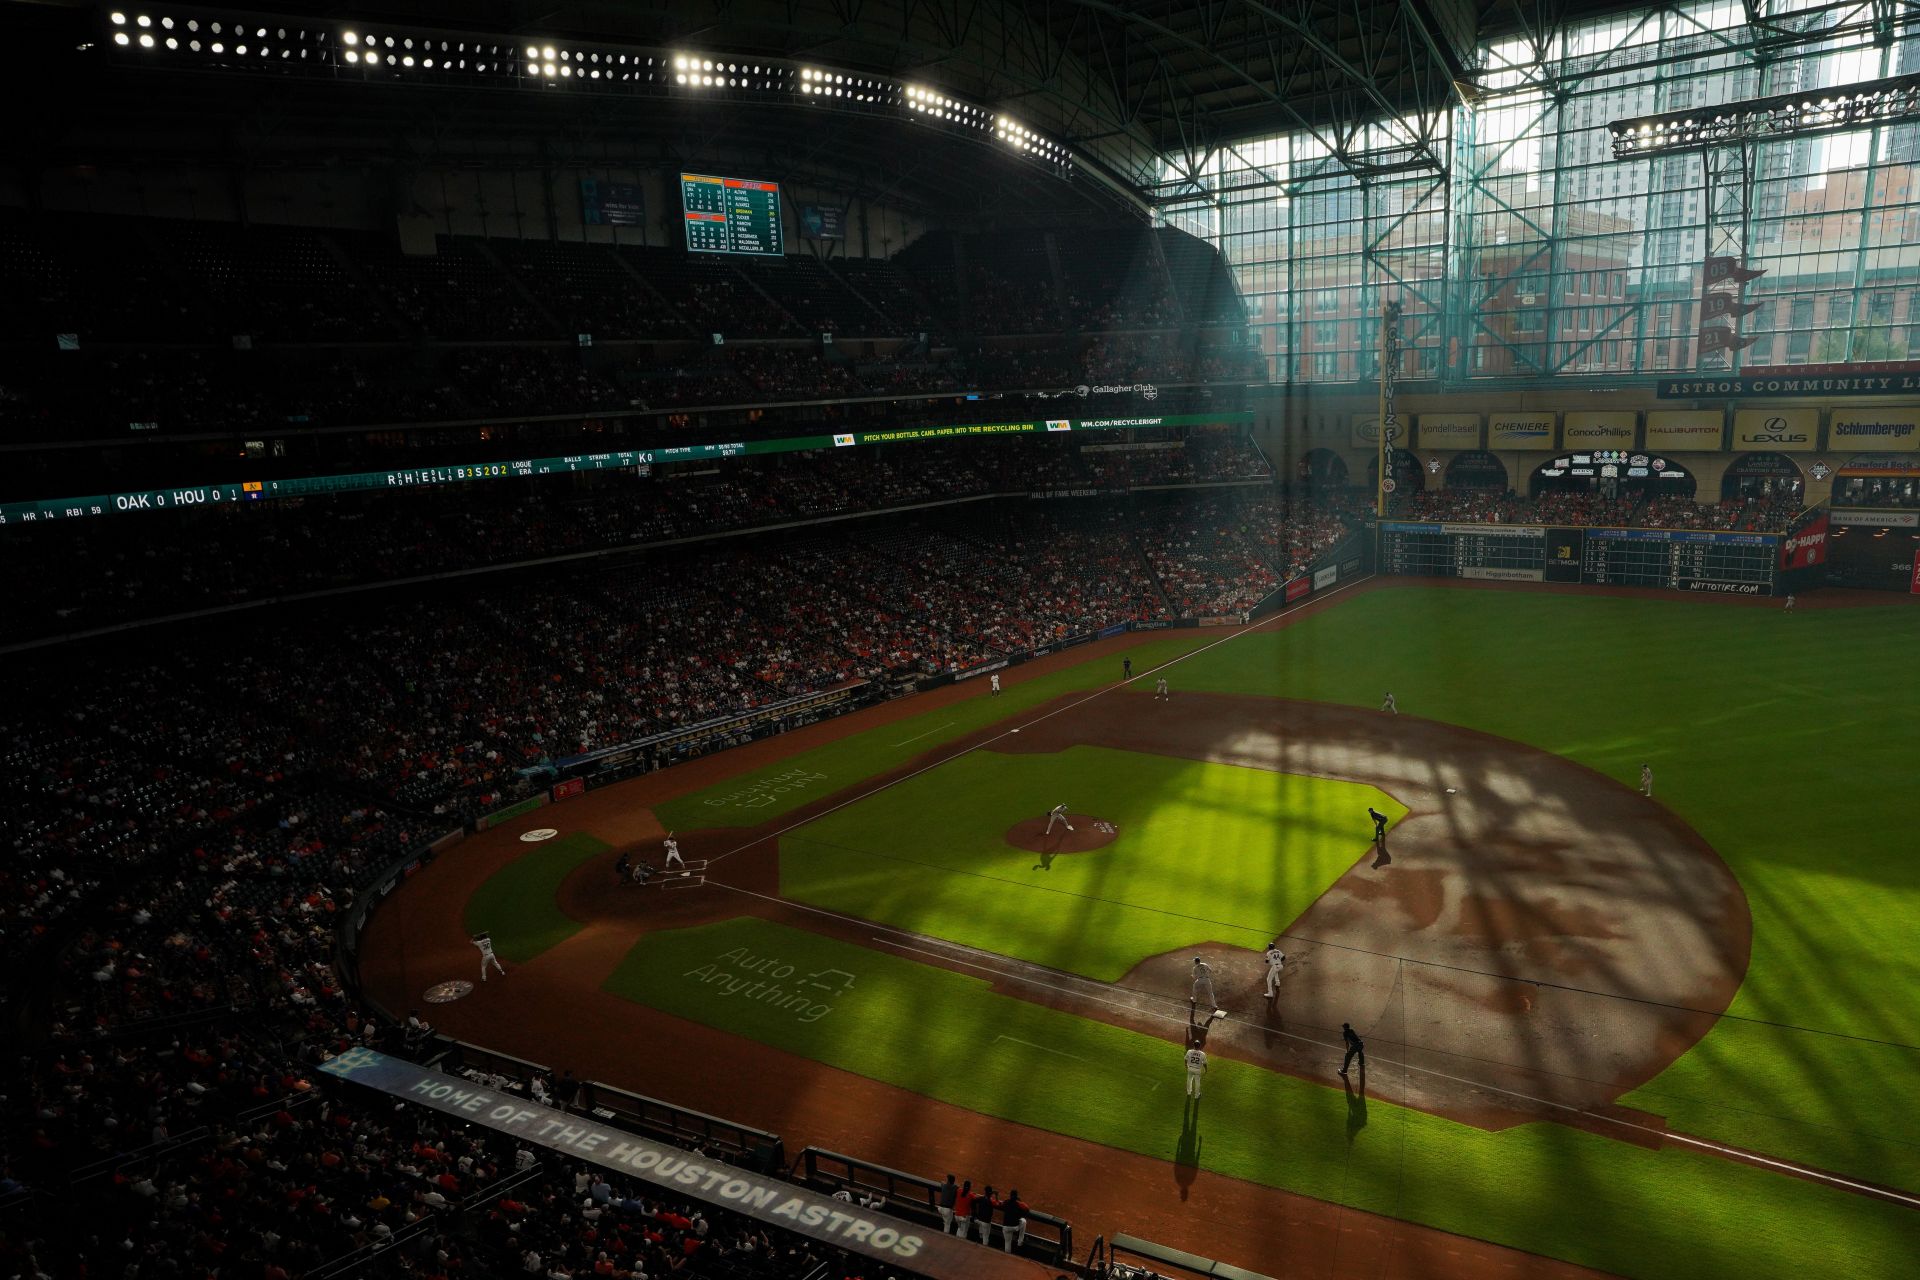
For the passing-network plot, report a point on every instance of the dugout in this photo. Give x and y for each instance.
(910, 1196)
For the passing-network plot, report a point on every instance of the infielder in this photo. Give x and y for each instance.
(993, 682)
(1646, 779)
(672, 847)
(484, 941)
(1390, 705)
(1160, 688)
(1196, 1067)
(1202, 996)
(1276, 961)
(1057, 814)
(1379, 826)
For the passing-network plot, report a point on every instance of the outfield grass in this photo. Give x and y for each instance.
(764, 794)
(1205, 852)
(1543, 1188)
(517, 903)
(1788, 741)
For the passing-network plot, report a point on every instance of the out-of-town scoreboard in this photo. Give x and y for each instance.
(731, 215)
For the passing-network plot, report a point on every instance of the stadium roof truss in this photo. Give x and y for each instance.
(1116, 84)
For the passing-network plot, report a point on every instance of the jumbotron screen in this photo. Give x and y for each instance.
(731, 215)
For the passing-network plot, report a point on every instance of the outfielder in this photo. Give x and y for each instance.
(1196, 1067)
(672, 847)
(484, 941)
(1390, 705)
(1057, 814)
(1276, 961)
(1789, 607)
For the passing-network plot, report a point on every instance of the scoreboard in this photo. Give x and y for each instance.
(731, 215)
(1677, 559)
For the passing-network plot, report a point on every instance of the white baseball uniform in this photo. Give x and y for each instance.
(1646, 779)
(1057, 814)
(1203, 985)
(485, 943)
(1160, 688)
(1276, 961)
(1390, 705)
(1196, 1067)
(672, 847)
(994, 680)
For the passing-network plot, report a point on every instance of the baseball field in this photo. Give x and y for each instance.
(1666, 1036)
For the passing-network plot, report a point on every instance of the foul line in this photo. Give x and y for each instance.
(1660, 1135)
(937, 728)
(987, 742)
(1151, 1085)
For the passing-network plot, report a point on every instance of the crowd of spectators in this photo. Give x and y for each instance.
(1593, 509)
(189, 816)
(73, 576)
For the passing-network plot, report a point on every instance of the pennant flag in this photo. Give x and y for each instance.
(1717, 337)
(1724, 268)
(1715, 305)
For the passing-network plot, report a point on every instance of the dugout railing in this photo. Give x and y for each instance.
(1049, 1239)
(1130, 1258)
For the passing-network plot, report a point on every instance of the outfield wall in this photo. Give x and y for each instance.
(1694, 560)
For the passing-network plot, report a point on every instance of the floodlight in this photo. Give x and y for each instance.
(120, 37)
(143, 20)
(146, 41)
(119, 19)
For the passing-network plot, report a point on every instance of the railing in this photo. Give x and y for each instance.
(1161, 1255)
(1048, 1239)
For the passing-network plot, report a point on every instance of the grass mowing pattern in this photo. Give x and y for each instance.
(742, 801)
(1543, 1188)
(1786, 740)
(1199, 844)
(517, 902)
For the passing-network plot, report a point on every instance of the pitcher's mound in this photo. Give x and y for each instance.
(1088, 833)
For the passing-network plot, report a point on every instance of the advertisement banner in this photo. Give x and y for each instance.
(1806, 546)
(1447, 430)
(1598, 429)
(1117, 629)
(823, 222)
(1916, 574)
(569, 789)
(1882, 380)
(1366, 432)
(612, 204)
(1784, 430)
(1521, 431)
(1503, 575)
(757, 1196)
(1888, 430)
(1685, 430)
(1877, 519)
(1298, 588)
(1220, 620)
(1324, 578)
(488, 821)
